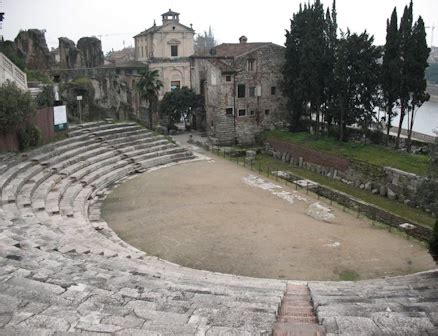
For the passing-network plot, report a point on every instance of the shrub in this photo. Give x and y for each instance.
(433, 243)
(377, 137)
(30, 136)
(46, 97)
(38, 76)
(15, 108)
(427, 195)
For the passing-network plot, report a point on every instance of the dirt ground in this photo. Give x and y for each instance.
(203, 215)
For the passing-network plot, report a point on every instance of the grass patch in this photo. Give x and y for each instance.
(349, 275)
(415, 215)
(373, 154)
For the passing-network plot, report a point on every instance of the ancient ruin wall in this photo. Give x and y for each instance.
(32, 45)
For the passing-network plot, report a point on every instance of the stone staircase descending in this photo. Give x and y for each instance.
(296, 316)
(64, 271)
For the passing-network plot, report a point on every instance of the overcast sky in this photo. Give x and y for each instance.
(117, 21)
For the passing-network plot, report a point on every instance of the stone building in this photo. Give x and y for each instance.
(240, 83)
(167, 47)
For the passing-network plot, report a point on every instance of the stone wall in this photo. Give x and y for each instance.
(385, 181)
(87, 54)
(371, 211)
(217, 78)
(69, 57)
(269, 61)
(90, 49)
(114, 93)
(310, 155)
(32, 45)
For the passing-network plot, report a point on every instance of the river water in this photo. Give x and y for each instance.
(426, 118)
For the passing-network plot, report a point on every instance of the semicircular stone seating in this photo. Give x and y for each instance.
(64, 271)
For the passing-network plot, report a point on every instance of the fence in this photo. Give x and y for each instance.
(359, 207)
(416, 135)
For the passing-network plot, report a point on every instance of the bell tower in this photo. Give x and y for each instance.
(170, 16)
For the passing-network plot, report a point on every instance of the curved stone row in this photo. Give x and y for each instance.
(62, 270)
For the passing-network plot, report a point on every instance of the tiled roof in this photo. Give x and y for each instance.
(237, 49)
(170, 12)
(154, 29)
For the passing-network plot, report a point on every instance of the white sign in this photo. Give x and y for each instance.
(59, 115)
(79, 97)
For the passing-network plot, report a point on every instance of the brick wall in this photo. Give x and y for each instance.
(309, 155)
(43, 119)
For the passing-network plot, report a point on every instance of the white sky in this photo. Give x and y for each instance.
(260, 21)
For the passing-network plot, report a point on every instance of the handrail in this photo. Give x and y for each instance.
(17, 75)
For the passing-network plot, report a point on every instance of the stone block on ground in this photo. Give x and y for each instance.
(320, 212)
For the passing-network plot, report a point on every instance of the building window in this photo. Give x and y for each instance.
(175, 85)
(241, 91)
(252, 91)
(273, 90)
(174, 51)
(242, 112)
(142, 55)
(250, 65)
(252, 113)
(266, 112)
(228, 78)
(229, 111)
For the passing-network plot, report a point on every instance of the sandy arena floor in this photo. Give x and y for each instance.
(205, 216)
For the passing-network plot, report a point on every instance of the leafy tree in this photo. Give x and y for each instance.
(178, 104)
(356, 81)
(418, 81)
(391, 69)
(16, 107)
(148, 87)
(10, 50)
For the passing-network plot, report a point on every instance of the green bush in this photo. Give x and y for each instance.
(377, 137)
(16, 107)
(46, 97)
(28, 137)
(427, 195)
(38, 76)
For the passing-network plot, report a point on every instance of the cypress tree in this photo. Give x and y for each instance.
(420, 54)
(391, 69)
(306, 67)
(406, 51)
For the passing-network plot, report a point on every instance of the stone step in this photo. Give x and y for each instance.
(296, 315)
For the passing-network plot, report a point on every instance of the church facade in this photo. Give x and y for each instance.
(167, 47)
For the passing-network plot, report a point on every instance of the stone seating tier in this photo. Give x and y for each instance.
(63, 270)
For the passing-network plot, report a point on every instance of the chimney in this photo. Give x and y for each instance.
(243, 39)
